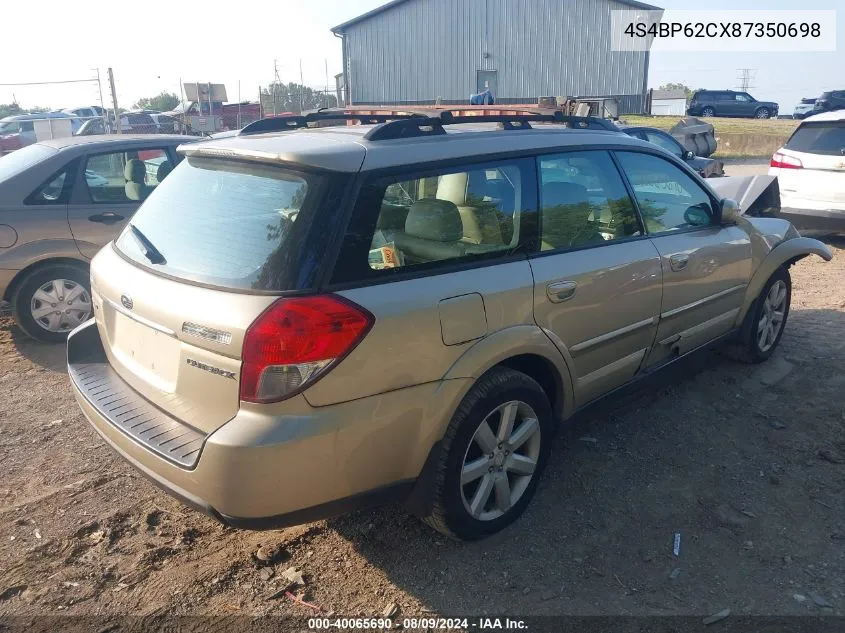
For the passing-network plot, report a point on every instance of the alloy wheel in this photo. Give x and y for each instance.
(60, 305)
(771, 320)
(501, 460)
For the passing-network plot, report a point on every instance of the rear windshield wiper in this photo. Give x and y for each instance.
(150, 251)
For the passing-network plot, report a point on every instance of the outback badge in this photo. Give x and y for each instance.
(210, 369)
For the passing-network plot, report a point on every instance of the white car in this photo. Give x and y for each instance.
(810, 169)
(804, 109)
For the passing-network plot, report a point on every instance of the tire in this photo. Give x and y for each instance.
(64, 278)
(750, 349)
(762, 113)
(708, 112)
(494, 394)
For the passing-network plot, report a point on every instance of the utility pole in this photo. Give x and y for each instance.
(102, 103)
(276, 83)
(301, 89)
(327, 82)
(745, 77)
(114, 102)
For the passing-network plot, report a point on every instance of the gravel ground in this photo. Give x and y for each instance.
(747, 464)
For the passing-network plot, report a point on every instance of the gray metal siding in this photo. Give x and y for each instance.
(424, 49)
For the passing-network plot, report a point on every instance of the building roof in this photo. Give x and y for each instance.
(668, 94)
(340, 28)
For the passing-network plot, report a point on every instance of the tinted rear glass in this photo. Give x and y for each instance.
(22, 159)
(225, 223)
(819, 138)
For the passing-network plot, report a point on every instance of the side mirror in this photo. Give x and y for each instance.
(688, 155)
(730, 212)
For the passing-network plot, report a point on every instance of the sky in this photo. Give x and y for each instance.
(151, 49)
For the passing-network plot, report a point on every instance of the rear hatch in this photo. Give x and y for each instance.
(814, 167)
(206, 254)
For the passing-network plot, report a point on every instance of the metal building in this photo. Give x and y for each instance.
(419, 51)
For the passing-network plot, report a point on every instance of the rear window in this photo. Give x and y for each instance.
(230, 224)
(22, 159)
(823, 137)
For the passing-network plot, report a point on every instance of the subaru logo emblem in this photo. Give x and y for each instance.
(126, 300)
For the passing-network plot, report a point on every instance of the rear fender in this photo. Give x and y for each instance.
(515, 341)
(785, 253)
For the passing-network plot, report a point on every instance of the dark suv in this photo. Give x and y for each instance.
(729, 103)
(829, 101)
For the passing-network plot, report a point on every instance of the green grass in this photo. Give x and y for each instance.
(767, 127)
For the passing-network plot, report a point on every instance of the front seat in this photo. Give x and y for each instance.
(136, 187)
(163, 170)
(433, 232)
(566, 216)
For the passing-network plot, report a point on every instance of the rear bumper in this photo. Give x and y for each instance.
(263, 472)
(830, 220)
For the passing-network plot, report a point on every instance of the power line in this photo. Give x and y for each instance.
(45, 83)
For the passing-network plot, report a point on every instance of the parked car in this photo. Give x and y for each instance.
(163, 123)
(87, 112)
(830, 101)
(706, 167)
(92, 127)
(804, 109)
(727, 103)
(272, 348)
(18, 130)
(138, 123)
(811, 170)
(61, 200)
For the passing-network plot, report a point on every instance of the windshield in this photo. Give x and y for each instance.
(22, 159)
(224, 223)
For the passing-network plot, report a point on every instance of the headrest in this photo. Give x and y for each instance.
(560, 193)
(453, 187)
(436, 220)
(135, 171)
(163, 170)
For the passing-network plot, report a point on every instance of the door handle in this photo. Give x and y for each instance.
(107, 217)
(679, 262)
(560, 291)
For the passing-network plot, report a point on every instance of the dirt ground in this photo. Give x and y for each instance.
(747, 464)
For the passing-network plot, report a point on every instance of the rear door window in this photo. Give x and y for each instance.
(823, 137)
(425, 220)
(229, 224)
(124, 177)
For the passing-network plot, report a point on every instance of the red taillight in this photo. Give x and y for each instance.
(295, 341)
(785, 162)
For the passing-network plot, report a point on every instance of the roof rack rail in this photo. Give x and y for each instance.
(285, 123)
(433, 125)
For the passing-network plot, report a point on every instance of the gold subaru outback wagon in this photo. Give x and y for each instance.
(302, 320)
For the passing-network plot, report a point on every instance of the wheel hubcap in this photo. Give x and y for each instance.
(500, 460)
(771, 321)
(60, 305)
